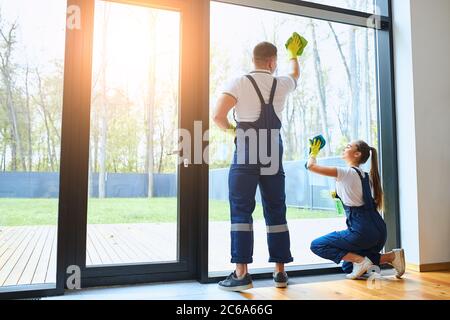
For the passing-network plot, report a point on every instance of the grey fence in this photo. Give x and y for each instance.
(130, 185)
(117, 185)
(303, 189)
(29, 185)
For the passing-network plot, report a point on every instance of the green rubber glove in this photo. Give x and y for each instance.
(295, 45)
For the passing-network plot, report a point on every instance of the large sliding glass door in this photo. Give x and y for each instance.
(31, 95)
(133, 186)
(337, 96)
(101, 89)
(139, 185)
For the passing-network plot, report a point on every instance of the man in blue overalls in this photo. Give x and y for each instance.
(258, 100)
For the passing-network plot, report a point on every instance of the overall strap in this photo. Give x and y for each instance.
(272, 93)
(359, 173)
(367, 193)
(258, 91)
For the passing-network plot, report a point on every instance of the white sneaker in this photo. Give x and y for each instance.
(399, 262)
(360, 268)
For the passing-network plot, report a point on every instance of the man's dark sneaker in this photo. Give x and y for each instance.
(280, 279)
(232, 283)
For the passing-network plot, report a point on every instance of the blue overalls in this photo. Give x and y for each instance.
(244, 179)
(366, 234)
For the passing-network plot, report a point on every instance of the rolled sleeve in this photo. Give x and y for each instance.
(342, 173)
(288, 83)
(232, 88)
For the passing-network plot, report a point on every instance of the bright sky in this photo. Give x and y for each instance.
(41, 38)
(239, 29)
(41, 33)
(128, 46)
(235, 30)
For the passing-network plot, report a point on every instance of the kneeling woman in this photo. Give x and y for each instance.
(360, 245)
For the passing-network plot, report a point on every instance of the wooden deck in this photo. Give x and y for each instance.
(131, 244)
(28, 254)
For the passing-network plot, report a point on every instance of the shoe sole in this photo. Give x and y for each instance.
(237, 289)
(280, 285)
(402, 257)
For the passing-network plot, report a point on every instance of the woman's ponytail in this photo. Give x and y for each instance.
(376, 180)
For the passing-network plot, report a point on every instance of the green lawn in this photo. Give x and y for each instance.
(21, 212)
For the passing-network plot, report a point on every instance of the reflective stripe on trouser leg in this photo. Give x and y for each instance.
(241, 227)
(243, 182)
(278, 229)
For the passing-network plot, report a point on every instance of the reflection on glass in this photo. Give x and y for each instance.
(342, 106)
(31, 83)
(132, 213)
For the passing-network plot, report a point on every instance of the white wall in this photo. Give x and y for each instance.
(422, 51)
(409, 213)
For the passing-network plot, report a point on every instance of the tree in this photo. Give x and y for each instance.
(29, 119)
(7, 68)
(49, 123)
(354, 71)
(103, 107)
(343, 123)
(321, 87)
(150, 105)
(5, 141)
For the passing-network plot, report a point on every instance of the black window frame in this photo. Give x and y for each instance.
(386, 123)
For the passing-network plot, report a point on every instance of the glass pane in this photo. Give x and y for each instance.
(342, 108)
(31, 92)
(357, 5)
(132, 213)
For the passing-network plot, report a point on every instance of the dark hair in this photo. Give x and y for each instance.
(366, 151)
(264, 51)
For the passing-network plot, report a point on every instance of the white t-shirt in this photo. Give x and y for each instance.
(349, 187)
(248, 107)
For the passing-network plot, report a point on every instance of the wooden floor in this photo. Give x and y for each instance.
(28, 254)
(414, 286)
